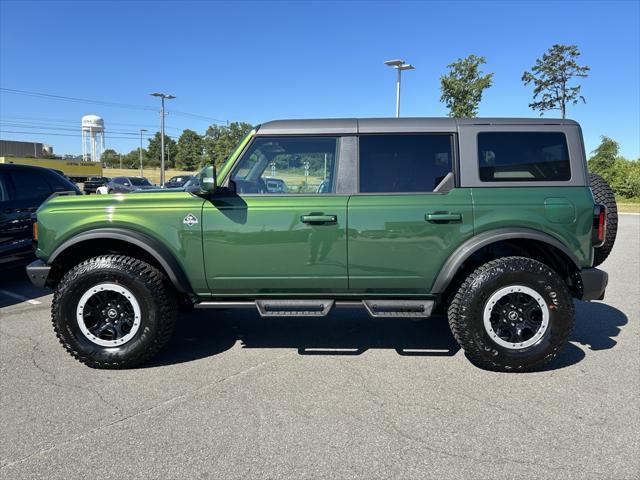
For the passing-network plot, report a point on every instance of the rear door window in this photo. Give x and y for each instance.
(29, 184)
(404, 163)
(523, 157)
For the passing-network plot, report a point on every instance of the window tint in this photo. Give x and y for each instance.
(29, 184)
(523, 157)
(404, 163)
(287, 165)
(140, 182)
(4, 190)
(59, 183)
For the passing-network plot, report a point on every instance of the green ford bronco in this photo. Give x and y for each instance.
(496, 222)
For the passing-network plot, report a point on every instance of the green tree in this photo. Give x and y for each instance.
(190, 147)
(604, 156)
(132, 159)
(551, 77)
(110, 158)
(462, 87)
(622, 175)
(220, 142)
(154, 149)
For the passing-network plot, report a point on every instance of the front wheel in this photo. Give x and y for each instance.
(512, 314)
(113, 311)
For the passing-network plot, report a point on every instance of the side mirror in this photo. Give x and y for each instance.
(208, 179)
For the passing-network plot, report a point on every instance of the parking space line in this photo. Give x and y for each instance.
(20, 297)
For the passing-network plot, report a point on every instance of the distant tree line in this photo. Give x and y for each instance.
(190, 152)
(621, 174)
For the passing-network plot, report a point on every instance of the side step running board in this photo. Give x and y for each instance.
(321, 308)
(294, 308)
(399, 308)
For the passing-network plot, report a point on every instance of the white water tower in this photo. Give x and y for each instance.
(92, 137)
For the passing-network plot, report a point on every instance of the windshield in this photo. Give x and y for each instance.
(226, 166)
(140, 182)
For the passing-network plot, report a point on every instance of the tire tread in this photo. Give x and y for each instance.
(458, 317)
(154, 279)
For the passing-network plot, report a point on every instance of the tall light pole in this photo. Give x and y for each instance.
(399, 65)
(162, 96)
(141, 130)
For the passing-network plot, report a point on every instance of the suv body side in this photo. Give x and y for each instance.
(381, 244)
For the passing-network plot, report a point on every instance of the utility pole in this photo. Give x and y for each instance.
(141, 130)
(162, 98)
(399, 65)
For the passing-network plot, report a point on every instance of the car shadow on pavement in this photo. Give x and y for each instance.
(204, 333)
(15, 288)
(344, 332)
(597, 325)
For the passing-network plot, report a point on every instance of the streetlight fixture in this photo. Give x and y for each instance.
(141, 130)
(162, 96)
(399, 65)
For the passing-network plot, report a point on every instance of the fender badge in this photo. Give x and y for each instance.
(190, 220)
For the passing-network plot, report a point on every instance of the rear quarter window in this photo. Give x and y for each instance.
(523, 157)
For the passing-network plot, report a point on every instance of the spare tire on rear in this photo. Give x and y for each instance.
(603, 195)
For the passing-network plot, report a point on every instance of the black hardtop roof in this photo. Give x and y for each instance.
(391, 125)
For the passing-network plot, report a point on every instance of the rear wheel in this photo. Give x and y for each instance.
(113, 311)
(603, 195)
(512, 314)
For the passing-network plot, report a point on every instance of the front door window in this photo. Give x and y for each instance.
(287, 165)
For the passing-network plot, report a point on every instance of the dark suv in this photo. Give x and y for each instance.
(23, 188)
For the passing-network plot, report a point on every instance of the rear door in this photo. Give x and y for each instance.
(408, 216)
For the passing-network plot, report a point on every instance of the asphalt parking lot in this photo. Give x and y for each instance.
(237, 396)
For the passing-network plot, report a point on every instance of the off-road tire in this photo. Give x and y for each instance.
(152, 291)
(603, 195)
(465, 314)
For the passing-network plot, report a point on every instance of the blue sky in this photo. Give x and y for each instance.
(256, 61)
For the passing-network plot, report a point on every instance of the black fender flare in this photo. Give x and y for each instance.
(149, 244)
(475, 243)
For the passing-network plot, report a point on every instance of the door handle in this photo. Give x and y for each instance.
(443, 217)
(319, 219)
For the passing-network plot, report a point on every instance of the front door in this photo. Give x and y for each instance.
(284, 230)
(407, 217)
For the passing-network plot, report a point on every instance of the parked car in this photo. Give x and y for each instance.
(92, 183)
(275, 185)
(496, 222)
(178, 181)
(23, 188)
(192, 185)
(128, 184)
